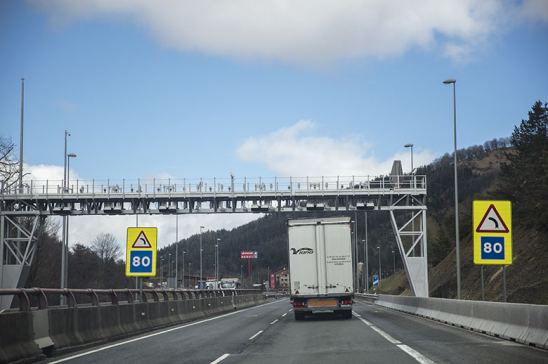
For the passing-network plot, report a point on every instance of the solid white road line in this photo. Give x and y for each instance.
(220, 359)
(273, 322)
(415, 354)
(157, 333)
(257, 334)
(407, 349)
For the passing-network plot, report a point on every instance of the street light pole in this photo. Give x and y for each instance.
(70, 155)
(21, 136)
(168, 267)
(64, 246)
(201, 227)
(218, 264)
(177, 251)
(366, 250)
(380, 267)
(411, 147)
(183, 282)
(457, 243)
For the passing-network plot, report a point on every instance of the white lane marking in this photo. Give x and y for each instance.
(407, 349)
(273, 322)
(256, 334)
(220, 359)
(285, 314)
(157, 333)
(415, 354)
(290, 310)
(385, 335)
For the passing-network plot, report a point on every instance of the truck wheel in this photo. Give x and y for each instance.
(299, 316)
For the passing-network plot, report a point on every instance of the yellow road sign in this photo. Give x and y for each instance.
(492, 226)
(141, 251)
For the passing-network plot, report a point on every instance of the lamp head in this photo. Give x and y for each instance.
(449, 81)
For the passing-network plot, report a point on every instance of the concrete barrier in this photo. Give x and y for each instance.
(524, 323)
(61, 329)
(17, 337)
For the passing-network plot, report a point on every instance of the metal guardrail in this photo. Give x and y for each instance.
(95, 297)
(217, 185)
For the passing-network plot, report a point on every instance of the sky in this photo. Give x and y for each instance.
(190, 89)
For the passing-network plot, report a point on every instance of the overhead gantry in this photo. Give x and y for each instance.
(404, 196)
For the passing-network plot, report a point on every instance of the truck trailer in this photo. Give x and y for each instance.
(320, 266)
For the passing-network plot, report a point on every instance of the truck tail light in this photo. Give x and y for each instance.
(346, 301)
(299, 304)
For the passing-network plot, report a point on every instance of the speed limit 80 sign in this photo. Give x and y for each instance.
(492, 232)
(141, 251)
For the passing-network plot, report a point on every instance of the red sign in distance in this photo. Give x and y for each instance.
(248, 255)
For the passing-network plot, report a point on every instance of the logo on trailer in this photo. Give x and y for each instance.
(302, 251)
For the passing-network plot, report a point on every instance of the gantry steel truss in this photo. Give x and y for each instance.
(403, 196)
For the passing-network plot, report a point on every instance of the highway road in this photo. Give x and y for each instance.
(269, 334)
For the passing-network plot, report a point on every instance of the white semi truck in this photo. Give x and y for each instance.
(320, 266)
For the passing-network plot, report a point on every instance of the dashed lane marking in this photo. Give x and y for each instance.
(407, 349)
(220, 359)
(285, 314)
(256, 334)
(273, 322)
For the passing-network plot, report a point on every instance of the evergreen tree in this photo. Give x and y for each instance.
(524, 178)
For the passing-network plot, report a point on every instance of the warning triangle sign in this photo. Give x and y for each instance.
(491, 222)
(141, 241)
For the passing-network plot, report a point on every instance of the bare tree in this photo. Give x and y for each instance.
(8, 164)
(106, 247)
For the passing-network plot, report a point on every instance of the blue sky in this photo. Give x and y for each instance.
(186, 89)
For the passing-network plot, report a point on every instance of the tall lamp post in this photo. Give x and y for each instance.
(69, 156)
(380, 267)
(183, 282)
(201, 250)
(410, 146)
(177, 251)
(64, 250)
(457, 243)
(217, 259)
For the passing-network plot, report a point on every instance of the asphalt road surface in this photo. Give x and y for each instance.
(269, 334)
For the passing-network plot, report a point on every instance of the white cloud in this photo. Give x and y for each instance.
(313, 32)
(293, 151)
(83, 229)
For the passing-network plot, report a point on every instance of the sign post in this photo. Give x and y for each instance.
(492, 226)
(141, 251)
(249, 255)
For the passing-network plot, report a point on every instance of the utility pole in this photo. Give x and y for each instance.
(201, 250)
(177, 251)
(380, 267)
(457, 242)
(366, 250)
(64, 262)
(21, 136)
